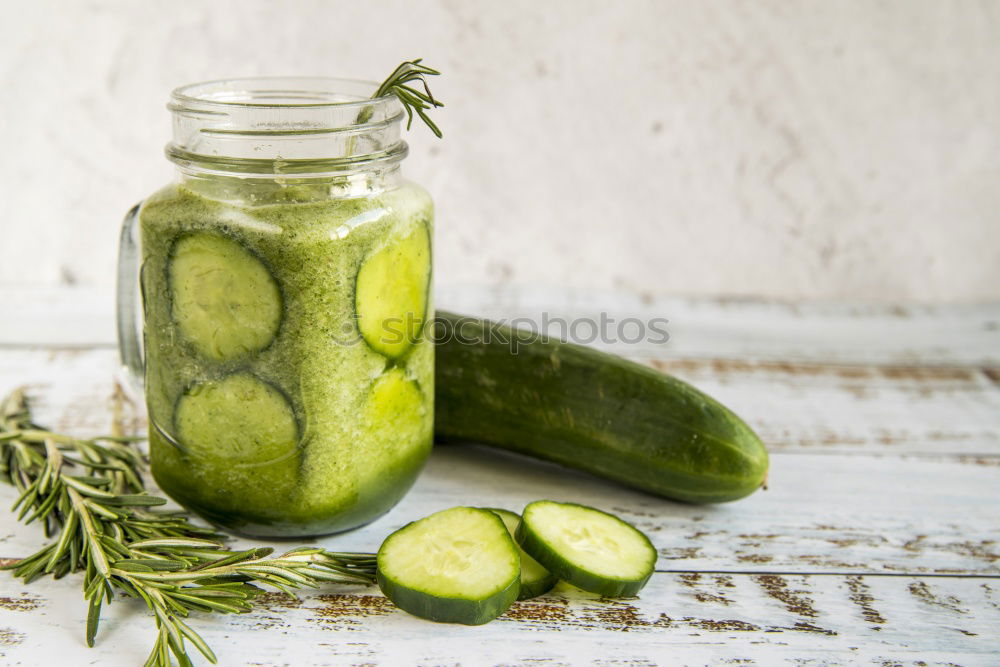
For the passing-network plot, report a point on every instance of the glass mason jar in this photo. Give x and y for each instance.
(285, 283)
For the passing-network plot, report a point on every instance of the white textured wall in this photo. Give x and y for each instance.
(788, 149)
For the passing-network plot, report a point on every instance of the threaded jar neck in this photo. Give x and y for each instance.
(285, 127)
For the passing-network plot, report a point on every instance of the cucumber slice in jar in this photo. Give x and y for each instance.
(240, 433)
(395, 410)
(535, 579)
(459, 565)
(224, 300)
(391, 293)
(588, 548)
(397, 427)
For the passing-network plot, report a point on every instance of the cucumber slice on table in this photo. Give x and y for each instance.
(237, 421)
(535, 579)
(391, 293)
(459, 565)
(590, 549)
(224, 300)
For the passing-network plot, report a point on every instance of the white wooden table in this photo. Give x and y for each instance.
(877, 542)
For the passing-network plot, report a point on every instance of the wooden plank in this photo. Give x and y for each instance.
(842, 333)
(820, 513)
(828, 514)
(816, 408)
(679, 618)
(58, 316)
(875, 409)
(823, 332)
(69, 388)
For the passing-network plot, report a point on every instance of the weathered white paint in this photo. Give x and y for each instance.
(877, 540)
(678, 619)
(864, 408)
(824, 332)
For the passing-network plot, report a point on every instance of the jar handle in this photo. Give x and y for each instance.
(129, 303)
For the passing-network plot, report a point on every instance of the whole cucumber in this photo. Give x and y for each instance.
(591, 411)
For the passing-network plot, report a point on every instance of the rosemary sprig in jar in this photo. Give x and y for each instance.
(414, 100)
(90, 493)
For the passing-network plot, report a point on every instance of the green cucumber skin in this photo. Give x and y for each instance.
(529, 589)
(449, 610)
(561, 568)
(537, 588)
(591, 411)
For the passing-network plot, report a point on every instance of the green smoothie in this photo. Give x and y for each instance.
(289, 374)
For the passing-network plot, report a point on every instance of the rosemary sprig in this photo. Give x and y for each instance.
(90, 493)
(414, 100)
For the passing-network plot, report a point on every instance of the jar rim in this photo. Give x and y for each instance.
(279, 92)
(284, 124)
